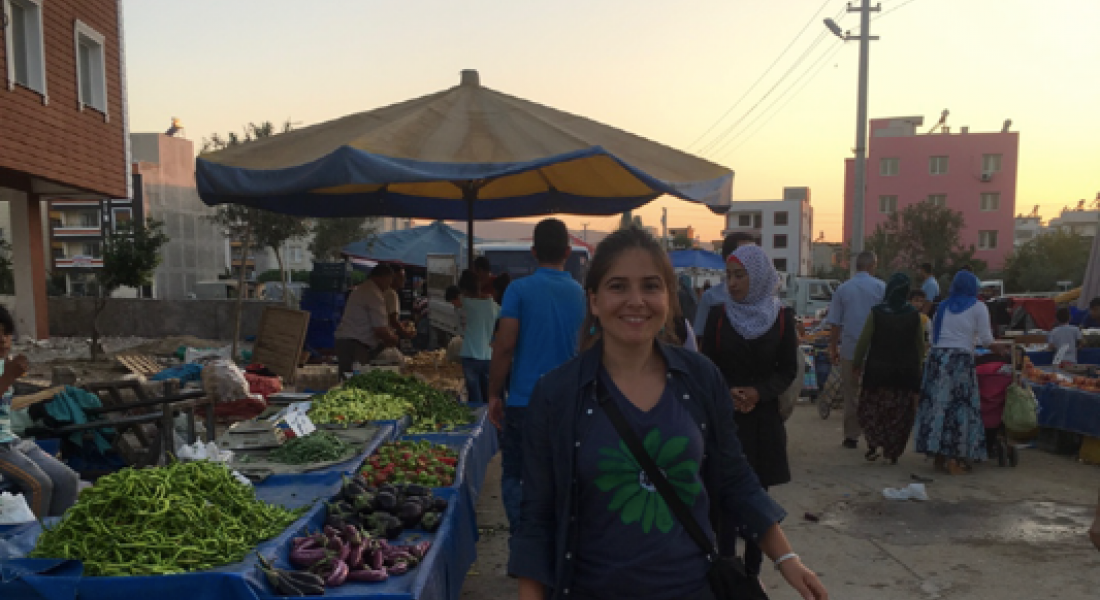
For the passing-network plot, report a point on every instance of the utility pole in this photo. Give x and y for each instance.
(664, 227)
(584, 234)
(859, 197)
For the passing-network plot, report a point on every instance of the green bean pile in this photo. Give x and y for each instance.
(432, 410)
(158, 521)
(349, 406)
(316, 447)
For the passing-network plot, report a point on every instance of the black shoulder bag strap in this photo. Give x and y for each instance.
(727, 575)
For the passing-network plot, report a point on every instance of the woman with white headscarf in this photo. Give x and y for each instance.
(752, 339)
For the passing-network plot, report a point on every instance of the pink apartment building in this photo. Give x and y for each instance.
(974, 173)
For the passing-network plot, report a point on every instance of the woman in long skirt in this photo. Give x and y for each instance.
(889, 355)
(949, 420)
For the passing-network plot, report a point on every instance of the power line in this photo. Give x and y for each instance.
(816, 69)
(896, 8)
(719, 143)
(762, 75)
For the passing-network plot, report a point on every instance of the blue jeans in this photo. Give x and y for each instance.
(511, 463)
(477, 379)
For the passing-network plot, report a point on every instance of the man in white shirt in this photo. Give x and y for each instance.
(364, 329)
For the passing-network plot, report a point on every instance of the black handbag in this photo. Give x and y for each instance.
(727, 576)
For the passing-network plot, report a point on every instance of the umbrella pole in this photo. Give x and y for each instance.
(469, 194)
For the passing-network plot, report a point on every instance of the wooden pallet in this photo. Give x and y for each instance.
(140, 364)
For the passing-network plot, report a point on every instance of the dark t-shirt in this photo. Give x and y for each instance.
(631, 545)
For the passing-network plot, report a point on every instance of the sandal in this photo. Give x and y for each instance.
(871, 455)
(954, 467)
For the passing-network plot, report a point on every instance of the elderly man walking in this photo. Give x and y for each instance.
(848, 311)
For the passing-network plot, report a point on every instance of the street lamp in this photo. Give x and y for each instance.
(864, 38)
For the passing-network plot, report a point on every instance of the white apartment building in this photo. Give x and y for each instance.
(1028, 227)
(783, 227)
(1079, 220)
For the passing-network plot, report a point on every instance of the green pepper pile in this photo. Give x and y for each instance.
(349, 405)
(319, 446)
(432, 410)
(182, 517)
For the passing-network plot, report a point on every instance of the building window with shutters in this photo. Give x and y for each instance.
(987, 240)
(25, 45)
(991, 163)
(991, 201)
(887, 204)
(937, 199)
(888, 167)
(91, 72)
(937, 165)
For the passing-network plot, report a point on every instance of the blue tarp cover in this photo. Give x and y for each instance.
(699, 259)
(411, 246)
(1068, 409)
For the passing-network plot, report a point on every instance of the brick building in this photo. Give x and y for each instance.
(62, 126)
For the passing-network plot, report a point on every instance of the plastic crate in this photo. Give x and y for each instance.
(328, 277)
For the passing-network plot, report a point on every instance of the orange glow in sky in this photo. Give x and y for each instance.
(664, 70)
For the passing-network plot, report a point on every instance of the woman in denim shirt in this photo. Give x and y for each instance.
(578, 476)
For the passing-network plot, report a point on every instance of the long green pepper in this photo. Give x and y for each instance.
(182, 517)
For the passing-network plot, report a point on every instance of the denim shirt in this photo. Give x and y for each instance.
(542, 547)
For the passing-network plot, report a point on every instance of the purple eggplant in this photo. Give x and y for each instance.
(373, 575)
(338, 575)
(352, 535)
(420, 550)
(355, 556)
(331, 532)
(377, 559)
(307, 554)
(398, 569)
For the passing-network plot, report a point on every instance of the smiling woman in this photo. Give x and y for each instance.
(595, 521)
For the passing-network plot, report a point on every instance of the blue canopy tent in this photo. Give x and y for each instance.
(464, 153)
(696, 259)
(410, 247)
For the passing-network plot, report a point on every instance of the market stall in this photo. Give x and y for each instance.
(388, 419)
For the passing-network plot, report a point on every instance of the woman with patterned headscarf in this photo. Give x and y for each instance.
(889, 355)
(752, 339)
(949, 419)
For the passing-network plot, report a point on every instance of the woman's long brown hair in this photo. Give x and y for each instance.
(607, 252)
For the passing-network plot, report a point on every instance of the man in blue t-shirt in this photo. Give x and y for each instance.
(540, 320)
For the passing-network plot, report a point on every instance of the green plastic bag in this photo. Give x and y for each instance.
(1021, 409)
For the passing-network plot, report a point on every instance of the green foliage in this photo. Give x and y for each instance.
(921, 233)
(274, 275)
(331, 235)
(1038, 265)
(682, 242)
(130, 255)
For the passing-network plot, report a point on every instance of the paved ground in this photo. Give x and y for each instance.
(996, 534)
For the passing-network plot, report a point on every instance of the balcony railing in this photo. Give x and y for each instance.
(77, 230)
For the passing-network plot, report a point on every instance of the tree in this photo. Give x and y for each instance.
(131, 254)
(923, 233)
(682, 242)
(331, 235)
(265, 228)
(274, 275)
(1042, 262)
(7, 274)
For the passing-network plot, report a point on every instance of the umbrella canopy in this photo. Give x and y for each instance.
(1090, 287)
(410, 246)
(699, 259)
(465, 153)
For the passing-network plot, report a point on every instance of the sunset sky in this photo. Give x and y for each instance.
(664, 70)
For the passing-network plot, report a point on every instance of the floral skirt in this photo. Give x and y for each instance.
(886, 416)
(949, 418)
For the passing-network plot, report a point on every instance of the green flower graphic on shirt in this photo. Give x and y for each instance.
(636, 499)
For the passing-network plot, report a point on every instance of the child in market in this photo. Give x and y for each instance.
(50, 487)
(918, 300)
(1066, 336)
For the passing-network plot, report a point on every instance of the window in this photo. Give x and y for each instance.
(57, 253)
(25, 50)
(937, 165)
(937, 199)
(92, 249)
(91, 74)
(1024, 234)
(820, 291)
(987, 240)
(887, 204)
(296, 254)
(779, 241)
(780, 218)
(991, 163)
(780, 264)
(889, 166)
(744, 220)
(991, 201)
(89, 219)
(123, 217)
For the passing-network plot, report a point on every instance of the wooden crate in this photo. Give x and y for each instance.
(280, 339)
(140, 364)
(1090, 450)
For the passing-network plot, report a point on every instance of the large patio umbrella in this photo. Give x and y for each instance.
(465, 153)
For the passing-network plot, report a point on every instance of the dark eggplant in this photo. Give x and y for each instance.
(355, 556)
(385, 501)
(307, 555)
(377, 559)
(338, 575)
(394, 531)
(303, 578)
(430, 522)
(439, 504)
(417, 490)
(387, 489)
(372, 575)
(364, 502)
(398, 569)
(410, 514)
